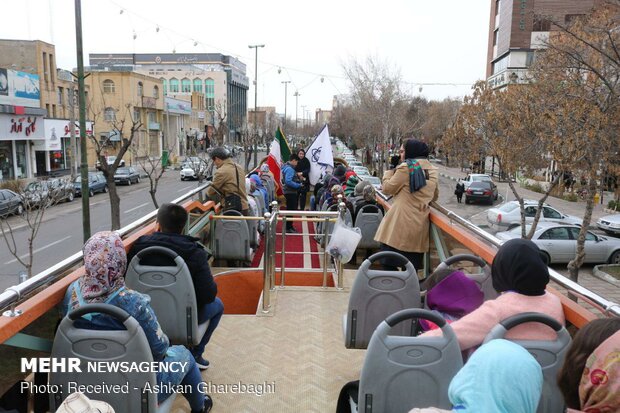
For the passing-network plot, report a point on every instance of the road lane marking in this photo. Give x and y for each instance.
(184, 189)
(138, 207)
(39, 249)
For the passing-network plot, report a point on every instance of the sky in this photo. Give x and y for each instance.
(427, 41)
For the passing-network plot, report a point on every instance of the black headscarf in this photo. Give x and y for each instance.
(518, 266)
(415, 149)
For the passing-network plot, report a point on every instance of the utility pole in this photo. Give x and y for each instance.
(297, 95)
(303, 118)
(82, 102)
(285, 82)
(255, 47)
(74, 158)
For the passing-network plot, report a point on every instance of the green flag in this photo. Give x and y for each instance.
(285, 150)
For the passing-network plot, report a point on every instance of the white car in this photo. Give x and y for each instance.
(192, 167)
(610, 224)
(354, 163)
(361, 171)
(558, 242)
(475, 178)
(509, 215)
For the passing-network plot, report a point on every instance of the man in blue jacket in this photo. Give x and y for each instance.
(172, 219)
(290, 187)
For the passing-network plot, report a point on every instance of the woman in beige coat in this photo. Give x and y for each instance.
(414, 185)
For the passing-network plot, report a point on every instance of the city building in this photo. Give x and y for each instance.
(177, 124)
(518, 27)
(222, 79)
(119, 97)
(30, 65)
(265, 118)
(322, 117)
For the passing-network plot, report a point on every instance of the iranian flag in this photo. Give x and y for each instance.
(279, 153)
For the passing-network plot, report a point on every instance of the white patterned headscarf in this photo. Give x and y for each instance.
(105, 262)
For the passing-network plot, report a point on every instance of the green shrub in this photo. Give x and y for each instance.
(614, 205)
(571, 197)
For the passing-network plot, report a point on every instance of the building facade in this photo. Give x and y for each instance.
(45, 154)
(518, 27)
(222, 79)
(118, 98)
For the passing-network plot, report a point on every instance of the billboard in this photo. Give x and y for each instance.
(19, 88)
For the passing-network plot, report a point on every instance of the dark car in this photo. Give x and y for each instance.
(48, 192)
(96, 183)
(481, 191)
(10, 203)
(127, 176)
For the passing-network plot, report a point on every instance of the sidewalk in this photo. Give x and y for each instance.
(571, 208)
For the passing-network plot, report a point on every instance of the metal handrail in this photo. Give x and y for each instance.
(610, 307)
(14, 293)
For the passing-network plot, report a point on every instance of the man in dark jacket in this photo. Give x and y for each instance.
(290, 188)
(172, 219)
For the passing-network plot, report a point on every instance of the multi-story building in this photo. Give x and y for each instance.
(119, 97)
(265, 118)
(50, 149)
(222, 79)
(518, 27)
(322, 117)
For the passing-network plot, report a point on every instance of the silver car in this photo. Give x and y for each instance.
(509, 215)
(558, 243)
(610, 224)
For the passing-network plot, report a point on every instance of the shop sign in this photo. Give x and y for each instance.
(179, 106)
(19, 88)
(21, 127)
(55, 129)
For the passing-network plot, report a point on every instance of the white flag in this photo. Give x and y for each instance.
(320, 156)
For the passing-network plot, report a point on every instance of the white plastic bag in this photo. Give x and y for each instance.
(79, 403)
(343, 242)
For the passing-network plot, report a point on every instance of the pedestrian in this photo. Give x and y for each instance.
(303, 171)
(413, 185)
(290, 187)
(460, 189)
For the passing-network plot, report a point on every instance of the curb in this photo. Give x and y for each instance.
(610, 211)
(602, 275)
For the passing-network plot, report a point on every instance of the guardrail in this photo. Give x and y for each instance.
(11, 296)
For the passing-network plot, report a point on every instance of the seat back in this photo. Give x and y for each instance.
(483, 279)
(172, 293)
(115, 346)
(231, 239)
(368, 220)
(375, 295)
(271, 188)
(400, 373)
(549, 354)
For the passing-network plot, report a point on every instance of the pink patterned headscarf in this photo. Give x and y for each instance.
(599, 390)
(105, 262)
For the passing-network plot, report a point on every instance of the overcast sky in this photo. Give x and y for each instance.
(436, 41)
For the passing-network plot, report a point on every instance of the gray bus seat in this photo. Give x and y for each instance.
(368, 222)
(172, 295)
(128, 345)
(271, 188)
(400, 373)
(550, 355)
(231, 239)
(483, 279)
(375, 295)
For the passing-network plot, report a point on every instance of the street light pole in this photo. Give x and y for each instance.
(285, 82)
(303, 118)
(297, 95)
(255, 47)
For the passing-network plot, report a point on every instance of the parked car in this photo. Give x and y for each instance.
(470, 178)
(110, 160)
(481, 191)
(610, 224)
(47, 192)
(354, 163)
(558, 242)
(361, 171)
(10, 203)
(192, 169)
(431, 158)
(375, 181)
(126, 176)
(509, 215)
(96, 183)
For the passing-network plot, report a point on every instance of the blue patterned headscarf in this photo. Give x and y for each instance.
(415, 149)
(487, 383)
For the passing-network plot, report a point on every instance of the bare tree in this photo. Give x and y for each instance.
(34, 201)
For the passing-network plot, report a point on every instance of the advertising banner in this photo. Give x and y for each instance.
(55, 129)
(19, 88)
(21, 127)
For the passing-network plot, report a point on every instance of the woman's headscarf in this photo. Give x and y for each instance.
(339, 172)
(264, 168)
(351, 186)
(257, 182)
(415, 149)
(105, 262)
(500, 377)
(369, 194)
(518, 266)
(599, 390)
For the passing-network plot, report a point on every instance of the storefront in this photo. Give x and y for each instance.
(55, 153)
(17, 134)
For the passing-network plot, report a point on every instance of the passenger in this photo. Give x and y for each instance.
(414, 185)
(520, 275)
(250, 189)
(105, 263)
(267, 176)
(228, 182)
(590, 376)
(290, 187)
(350, 187)
(338, 178)
(501, 377)
(337, 190)
(258, 184)
(172, 219)
(369, 197)
(303, 171)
